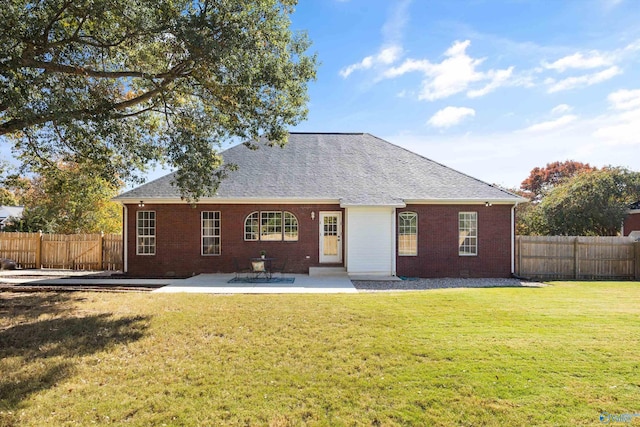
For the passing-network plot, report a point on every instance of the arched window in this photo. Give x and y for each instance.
(271, 226)
(408, 234)
(290, 227)
(252, 226)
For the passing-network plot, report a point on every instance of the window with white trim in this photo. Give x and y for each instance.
(408, 234)
(146, 233)
(271, 226)
(210, 233)
(290, 227)
(467, 233)
(252, 226)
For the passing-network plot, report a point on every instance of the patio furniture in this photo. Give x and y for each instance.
(262, 268)
(241, 272)
(280, 268)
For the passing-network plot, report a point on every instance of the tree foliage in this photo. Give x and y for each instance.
(590, 203)
(542, 180)
(123, 84)
(70, 199)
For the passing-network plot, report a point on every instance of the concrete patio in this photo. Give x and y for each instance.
(203, 283)
(303, 284)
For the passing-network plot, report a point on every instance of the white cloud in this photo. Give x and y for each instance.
(623, 126)
(450, 116)
(498, 78)
(408, 66)
(561, 109)
(391, 49)
(394, 26)
(453, 75)
(625, 99)
(622, 129)
(581, 81)
(551, 124)
(592, 59)
(386, 56)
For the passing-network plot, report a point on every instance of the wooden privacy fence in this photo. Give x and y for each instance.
(66, 251)
(577, 258)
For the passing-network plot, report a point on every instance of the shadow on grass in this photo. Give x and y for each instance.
(70, 337)
(32, 305)
(38, 354)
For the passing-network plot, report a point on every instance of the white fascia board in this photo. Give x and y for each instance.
(466, 201)
(369, 205)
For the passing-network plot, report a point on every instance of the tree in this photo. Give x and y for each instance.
(8, 194)
(70, 199)
(542, 180)
(124, 84)
(591, 203)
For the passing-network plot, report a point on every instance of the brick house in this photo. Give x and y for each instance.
(326, 199)
(632, 220)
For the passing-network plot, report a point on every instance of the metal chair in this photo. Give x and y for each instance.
(240, 271)
(280, 268)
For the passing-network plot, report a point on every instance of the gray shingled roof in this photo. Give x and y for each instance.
(352, 168)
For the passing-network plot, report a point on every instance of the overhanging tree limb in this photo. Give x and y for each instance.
(129, 83)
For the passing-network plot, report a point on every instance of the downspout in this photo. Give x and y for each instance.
(394, 212)
(125, 240)
(513, 239)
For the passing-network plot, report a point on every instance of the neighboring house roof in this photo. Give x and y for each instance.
(7, 212)
(352, 168)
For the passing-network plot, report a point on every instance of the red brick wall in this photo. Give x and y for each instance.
(178, 240)
(631, 223)
(438, 243)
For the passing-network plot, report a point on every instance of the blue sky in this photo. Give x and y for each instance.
(490, 88)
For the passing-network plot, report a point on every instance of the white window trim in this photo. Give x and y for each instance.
(465, 254)
(219, 235)
(282, 226)
(138, 236)
(415, 214)
(267, 213)
(244, 229)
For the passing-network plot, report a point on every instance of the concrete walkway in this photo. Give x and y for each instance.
(303, 284)
(203, 283)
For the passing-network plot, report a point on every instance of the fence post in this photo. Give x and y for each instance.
(576, 259)
(519, 248)
(100, 254)
(636, 259)
(39, 251)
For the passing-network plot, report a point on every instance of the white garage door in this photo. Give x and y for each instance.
(370, 240)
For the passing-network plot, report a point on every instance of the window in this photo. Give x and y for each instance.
(146, 233)
(271, 226)
(290, 227)
(210, 233)
(408, 234)
(468, 233)
(252, 226)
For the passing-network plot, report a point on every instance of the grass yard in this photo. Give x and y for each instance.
(559, 355)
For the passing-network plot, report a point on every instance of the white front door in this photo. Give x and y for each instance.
(331, 237)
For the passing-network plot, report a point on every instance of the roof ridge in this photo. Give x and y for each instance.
(327, 133)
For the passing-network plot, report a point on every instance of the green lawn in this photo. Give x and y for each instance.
(558, 355)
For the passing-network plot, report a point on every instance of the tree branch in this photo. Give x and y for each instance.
(56, 18)
(89, 72)
(19, 124)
